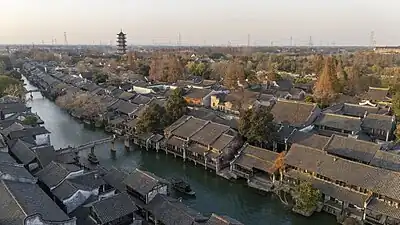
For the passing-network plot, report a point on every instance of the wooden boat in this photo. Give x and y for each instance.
(182, 186)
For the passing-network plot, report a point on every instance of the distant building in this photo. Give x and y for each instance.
(121, 43)
(387, 50)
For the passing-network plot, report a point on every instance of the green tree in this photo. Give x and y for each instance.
(396, 104)
(30, 120)
(153, 119)
(256, 125)
(176, 105)
(309, 99)
(9, 85)
(2, 67)
(99, 77)
(307, 196)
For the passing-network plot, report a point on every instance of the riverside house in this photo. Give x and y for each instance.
(352, 188)
(204, 142)
(256, 165)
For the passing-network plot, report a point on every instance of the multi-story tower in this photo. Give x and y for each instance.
(121, 43)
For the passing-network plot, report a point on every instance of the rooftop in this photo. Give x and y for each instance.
(254, 157)
(350, 148)
(292, 112)
(308, 139)
(114, 207)
(142, 181)
(340, 122)
(209, 133)
(189, 128)
(380, 181)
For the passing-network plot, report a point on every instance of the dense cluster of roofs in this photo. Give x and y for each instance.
(41, 185)
(343, 150)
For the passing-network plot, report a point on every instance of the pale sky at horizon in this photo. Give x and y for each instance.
(211, 22)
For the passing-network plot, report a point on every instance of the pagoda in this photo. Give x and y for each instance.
(121, 43)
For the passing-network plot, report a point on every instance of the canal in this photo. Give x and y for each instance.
(214, 194)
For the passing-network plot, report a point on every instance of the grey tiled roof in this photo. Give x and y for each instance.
(209, 133)
(333, 190)
(196, 93)
(176, 124)
(65, 190)
(221, 220)
(114, 207)
(88, 181)
(254, 157)
(142, 181)
(32, 200)
(189, 128)
(10, 212)
(222, 142)
(115, 178)
(28, 132)
(16, 172)
(308, 139)
(6, 158)
(45, 154)
(292, 112)
(378, 122)
(377, 94)
(381, 181)
(340, 122)
(386, 160)
(54, 173)
(22, 152)
(351, 148)
(383, 208)
(173, 212)
(126, 107)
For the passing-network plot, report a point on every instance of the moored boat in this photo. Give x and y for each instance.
(182, 186)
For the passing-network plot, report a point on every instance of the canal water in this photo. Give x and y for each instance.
(213, 193)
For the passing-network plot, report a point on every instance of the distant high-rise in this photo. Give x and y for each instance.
(121, 43)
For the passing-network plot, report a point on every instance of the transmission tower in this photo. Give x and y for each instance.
(179, 39)
(291, 41)
(310, 42)
(65, 38)
(248, 40)
(372, 41)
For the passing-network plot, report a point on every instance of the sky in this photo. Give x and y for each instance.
(199, 22)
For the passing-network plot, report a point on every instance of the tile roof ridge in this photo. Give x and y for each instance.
(343, 116)
(13, 197)
(147, 174)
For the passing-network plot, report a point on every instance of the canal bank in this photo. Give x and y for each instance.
(214, 194)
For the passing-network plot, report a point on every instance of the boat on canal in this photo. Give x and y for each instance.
(182, 186)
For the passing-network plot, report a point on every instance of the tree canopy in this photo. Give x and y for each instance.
(11, 86)
(307, 196)
(324, 89)
(152, 119)
(256, 125)
(176, 105)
